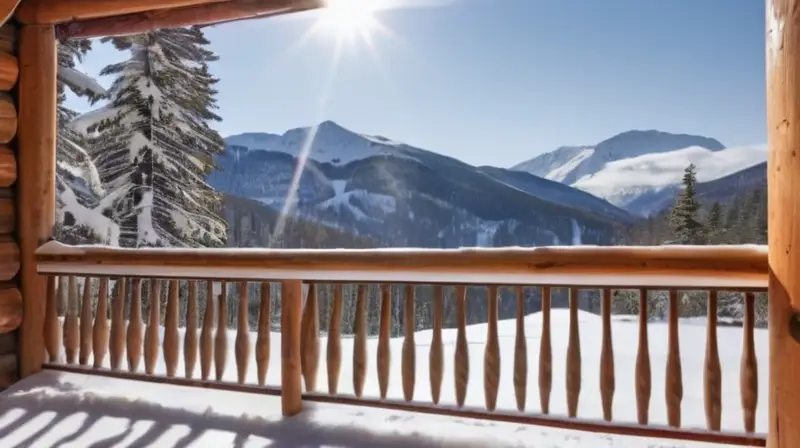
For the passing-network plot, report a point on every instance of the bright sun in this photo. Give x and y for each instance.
(348, 18)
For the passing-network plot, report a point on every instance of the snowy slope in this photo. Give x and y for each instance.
(330, 143)
(404, 196)
(80, 410)
(623, 181)
(568, 164)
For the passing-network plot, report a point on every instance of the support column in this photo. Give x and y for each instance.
(36, 180)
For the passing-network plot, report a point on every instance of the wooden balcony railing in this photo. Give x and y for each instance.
(95, 321)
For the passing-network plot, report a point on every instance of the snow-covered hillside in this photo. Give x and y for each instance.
(73, 410)
(400, 195)
(570, 163)
(327, 143)
(637, 170)
(622, 181)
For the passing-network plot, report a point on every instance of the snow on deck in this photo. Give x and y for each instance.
(90, 411)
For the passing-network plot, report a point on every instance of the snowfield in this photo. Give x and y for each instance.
(77, 410)
(623, 180)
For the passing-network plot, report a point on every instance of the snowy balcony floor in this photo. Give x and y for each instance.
(59, 409)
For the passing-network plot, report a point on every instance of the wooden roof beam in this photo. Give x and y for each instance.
(7, 8)
(51, 12)
(206, 14)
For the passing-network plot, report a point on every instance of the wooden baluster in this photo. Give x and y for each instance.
(86, 322)
(190, 337)
(207, 333)
(545, 355)
(360, 342)
(171, 340)
(118, 324)
(748, 375)
(520, 353)
(607, 379)
(334, 351)
(713, 375)
(242, 343)
(674, 386)
(151, 334)
(309, 339)
(100, 330)
(491, 354)
(384, 329)
(221, 336)
(436, 355)
(291, 374)
(573, 356)
(409, 348)
(461, 361)
(264, 328)
(52, 326)
(71, 326)
(135, 326)
(643, 377)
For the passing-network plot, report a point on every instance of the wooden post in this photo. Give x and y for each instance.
(291, 375)
(36, 180)
(783, 180)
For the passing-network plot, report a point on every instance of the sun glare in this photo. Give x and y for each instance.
(347, 18)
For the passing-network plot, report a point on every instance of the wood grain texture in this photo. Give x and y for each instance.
(674, 376)
(291, 374)
(520, 353)
(153, 321)
(117, 336)
(134, 337)
(607, 376)
(643, 374)
(491, 354)
(200, 14)
(748, 374)
(593, 266)
(309, 339)
(545, 354)
(36, 160)
(712, 374)
(334, 349)
(573, 356)
(207, 334)
(360, 342)
(71, 322)
(8, 166)
(409, 358)
(9, 68)
(86, 323)
(263, 338)
(50, 12)
(783, 183)
(461, 357)
(11, 308)
(170, 346)
(221, 335)
(100, 330)
(242, 343)
(190, 341)
(384, 335)
(436, 353)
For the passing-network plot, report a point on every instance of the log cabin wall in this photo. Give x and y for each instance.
(10, 297)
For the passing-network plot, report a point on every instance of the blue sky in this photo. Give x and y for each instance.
(500, 81)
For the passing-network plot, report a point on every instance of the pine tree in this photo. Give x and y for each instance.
(714, 224)
(153, 144)
(686, 227)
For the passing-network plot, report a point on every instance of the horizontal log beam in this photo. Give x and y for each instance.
(9, 258)
(7, 8)
(8, 212)
(205, 14)
(673, 266)
(51, 12)
(9, 71)
(10, 309)
(8, 118)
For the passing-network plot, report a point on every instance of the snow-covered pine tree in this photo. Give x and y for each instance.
(77, 182)
(153, 144)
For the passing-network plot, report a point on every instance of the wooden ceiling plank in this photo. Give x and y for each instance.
(206, 14)
(51, 12)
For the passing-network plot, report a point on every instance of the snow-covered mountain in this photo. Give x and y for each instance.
(636, 170)
(400, 195)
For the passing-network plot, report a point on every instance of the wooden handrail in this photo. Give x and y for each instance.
(620, 266)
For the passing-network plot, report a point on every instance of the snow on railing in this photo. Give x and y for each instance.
(663, 266)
